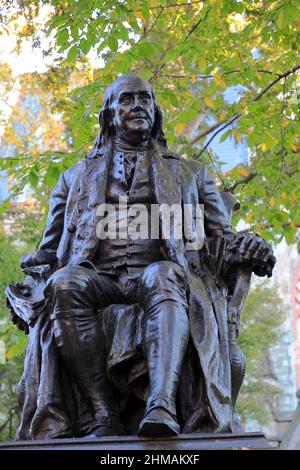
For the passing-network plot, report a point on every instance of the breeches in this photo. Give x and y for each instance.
(76, 293)
(78, 290)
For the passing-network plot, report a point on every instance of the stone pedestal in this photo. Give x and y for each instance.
(184, 442)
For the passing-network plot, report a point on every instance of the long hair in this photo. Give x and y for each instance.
(105, 118)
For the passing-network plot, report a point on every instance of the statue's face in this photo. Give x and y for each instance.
(133, 109)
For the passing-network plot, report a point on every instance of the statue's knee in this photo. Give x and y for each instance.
(60, 280)
(67, 282)
(162, 271)
(72, 289)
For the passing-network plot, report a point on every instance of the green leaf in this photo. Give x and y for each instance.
(123, 33)
(84, 46)
(62, 36)
(113, 43)
(75, 32)
(33, 179)
(282, 19)
(225, 135)
(72, 54)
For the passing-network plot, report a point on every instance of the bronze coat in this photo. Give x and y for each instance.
(70, 234)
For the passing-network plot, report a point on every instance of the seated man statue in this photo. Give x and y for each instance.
(133, 334)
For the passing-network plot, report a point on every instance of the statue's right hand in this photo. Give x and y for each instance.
(21, 324)
(36, 258)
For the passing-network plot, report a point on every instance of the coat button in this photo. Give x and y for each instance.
(71, 228)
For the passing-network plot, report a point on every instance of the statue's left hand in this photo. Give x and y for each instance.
(258, 252)
(253, 250)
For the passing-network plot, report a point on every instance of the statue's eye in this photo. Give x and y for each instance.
(145, 99)
(125, 99)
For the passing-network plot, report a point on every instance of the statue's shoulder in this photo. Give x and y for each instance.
(70, 174)
(192, 165)
(187, 164)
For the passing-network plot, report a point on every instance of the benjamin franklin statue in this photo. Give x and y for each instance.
(133, 335)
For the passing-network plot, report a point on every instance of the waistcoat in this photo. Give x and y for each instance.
(124, 251)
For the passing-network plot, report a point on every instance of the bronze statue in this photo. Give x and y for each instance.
(133, 335)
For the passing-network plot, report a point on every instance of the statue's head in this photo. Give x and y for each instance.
(129, 109)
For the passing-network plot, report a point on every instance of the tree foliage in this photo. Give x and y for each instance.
(26, 231)
(262, 317)
(13, 342)
(192, 52)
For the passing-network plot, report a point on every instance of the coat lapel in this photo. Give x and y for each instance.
(96, 175)
(166, 177)
(92, 191)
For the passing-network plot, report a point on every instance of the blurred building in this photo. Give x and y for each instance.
(283, 359)
(296, 319)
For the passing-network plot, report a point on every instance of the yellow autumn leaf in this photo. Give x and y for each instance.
(238, 137)
(219, 81)
(223, 115)
(139, 15)
(209, 102)
(193, 79)
(249, 217)
(110, 68)
(294, 147)
(292, 224)
(179, 128)
(284, 122)
(10, 354)
(243, 171)
(264, 147)
(272, 202)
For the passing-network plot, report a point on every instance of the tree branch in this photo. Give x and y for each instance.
(289, 172)
(266, 226)
(163, 64)
(201, 20)
(220, 129)
(152, 25)
(238, 115)
(205, 133)
(245, 180)
(280, 77)
(173, 5)
(211, 76)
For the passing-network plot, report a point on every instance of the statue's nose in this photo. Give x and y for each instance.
(137, 103)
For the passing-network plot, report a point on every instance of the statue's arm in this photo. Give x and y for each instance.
(248, 249)
(215, 214)
(46, 253)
